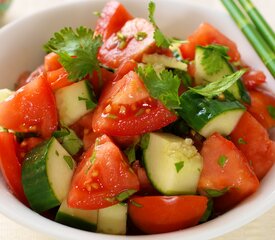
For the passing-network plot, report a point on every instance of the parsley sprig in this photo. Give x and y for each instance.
(77, 50)
(163, 86)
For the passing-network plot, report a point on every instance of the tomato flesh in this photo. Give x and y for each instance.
(231, 173)
(253, 79)
(253, 140)
(101, 176)
(160, 214)
(31, 109)
(125, 109)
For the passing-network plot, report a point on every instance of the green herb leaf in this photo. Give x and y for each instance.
(140, 36)
(216, 193)
(124, 195)
(241, 141)
(271, 111)
(69, 160)
(77, 50)
(131, 153)
(61, 133)
(216, 88)
(185, 78)
(222, 160)
(89, 103)
(163, 86)
(208, 211)
(213, 58)
(144, 142)
(135, 203)
(179, 165)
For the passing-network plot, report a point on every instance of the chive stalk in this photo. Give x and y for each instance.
(254, 37)
(260, 23)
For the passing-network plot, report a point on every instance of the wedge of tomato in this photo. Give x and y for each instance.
(32, 108)
(253, 140)
(253, 78)
(161, 214)
(10, 165)
(206, 34)
(262, 107)
(126, 45)
(125, 108)
(225, 170)
(112, 17)
(102, 175)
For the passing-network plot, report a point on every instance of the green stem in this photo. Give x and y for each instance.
(260, 23)
(264, 51)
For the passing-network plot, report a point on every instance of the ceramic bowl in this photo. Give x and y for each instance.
(21, 49)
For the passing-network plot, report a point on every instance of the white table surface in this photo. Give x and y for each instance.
(262, 228)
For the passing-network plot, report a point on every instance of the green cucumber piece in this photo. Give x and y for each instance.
(173, 164)
(5, 93)
(74, 101)
(46, 175)
(207, 116)
(168, 62)
(203, 76)
(113, 219)
(77, 218)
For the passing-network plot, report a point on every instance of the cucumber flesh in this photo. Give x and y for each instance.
(46, 175)
(5, 93)
(74, 101)
(77, 218)
(173, 164)
(207, 116)
(113, 219)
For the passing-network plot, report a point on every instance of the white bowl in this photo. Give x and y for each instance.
(21, 49)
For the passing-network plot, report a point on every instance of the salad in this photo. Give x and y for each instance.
(124, 130)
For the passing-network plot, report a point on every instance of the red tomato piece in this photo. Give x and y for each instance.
(161, 214)
(225, 167)
(125, 109)
(205, 35)
(32, 108)
(112, 17)
(51, 62)
(253, 140)
(253, 79)
(117, 50)
(27, 145)
(58, 78)
(124, 68)
(10, 165)
(101, 176)
(261, 107)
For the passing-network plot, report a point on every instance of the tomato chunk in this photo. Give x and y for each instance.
(32, 108)
(101, 176)
(10, 165)
(206, 34)
(226, 169)
(112, 17)
(58, 78)
(253, 140)
(262, 107)
(125, 108)
(126, 46)
(160, 214)
(51, 62)
(253, 78)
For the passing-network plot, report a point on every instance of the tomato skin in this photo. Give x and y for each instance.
(131, 124)
(253, 78)
(234, 173)
(32, 108)
(112, 55)
(96, 184)
(205, 35)
(260, 101)
(27, 145)
(125, 68)
(113, 16)
(51, 62)
(10, 165)
(58, 78)
(256, 146)
(161, 214)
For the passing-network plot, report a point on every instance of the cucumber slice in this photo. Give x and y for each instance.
(74, 101)
(168, 62)
(77, 218)
(112, 220)
(46, 175)
(173, 164)
(5, 93)
(207, 116)
(203, 75)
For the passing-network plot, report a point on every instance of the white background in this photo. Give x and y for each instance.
(260, 229)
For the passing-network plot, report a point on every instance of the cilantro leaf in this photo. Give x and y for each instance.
(215, 192)
(213, 58)
(215, 88)
(163, 86)
(179, 165)
(271, 111)
(77, 50)
(222, 160)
